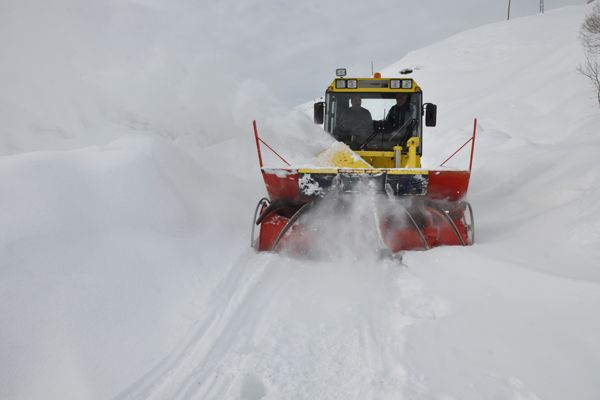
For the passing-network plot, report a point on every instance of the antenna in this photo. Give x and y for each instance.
(541, 6)
(508, 15)
(372, 68)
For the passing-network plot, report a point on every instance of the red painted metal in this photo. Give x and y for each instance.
(269, 230)
(473, 144)
(260, 162)
(448, 185)
(282, 184)
(277, 154)
(436, 231)
(258, 139)
(296, 240)
(472, 140)
(453, 154)
(266, 144)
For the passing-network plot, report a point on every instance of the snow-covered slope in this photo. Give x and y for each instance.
(125, 269)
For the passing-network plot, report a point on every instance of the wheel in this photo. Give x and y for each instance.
(260, 207)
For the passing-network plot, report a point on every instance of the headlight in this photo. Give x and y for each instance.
(395, 83)
(406, 83)
(340, 84)
(352, 84)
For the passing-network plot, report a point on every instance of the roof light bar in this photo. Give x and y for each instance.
(340, 84)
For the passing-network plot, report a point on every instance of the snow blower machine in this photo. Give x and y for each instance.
(384, 156)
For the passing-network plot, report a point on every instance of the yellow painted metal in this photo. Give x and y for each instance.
(318, 170)
(413, 161)
(413, 89)
(404, 162)
(366, 171)
(397, 156)
(416, 171)
(378, 159)
(340, 156)
(374, 153)
(345, 158)
(387, 159)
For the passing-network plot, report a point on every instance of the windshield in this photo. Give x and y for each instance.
(373, 121)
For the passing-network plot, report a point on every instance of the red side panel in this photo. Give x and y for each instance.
(448, 185)
(296, 240)
(405, 239)
(269, 230)
(438, 234)
(282, 184)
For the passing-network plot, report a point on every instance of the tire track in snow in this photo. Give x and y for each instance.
(166, 379)
(283, 328)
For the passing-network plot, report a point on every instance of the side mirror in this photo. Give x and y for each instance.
(430, 114)
(319, 112)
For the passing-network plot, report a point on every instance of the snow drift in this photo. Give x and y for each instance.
(126, 270)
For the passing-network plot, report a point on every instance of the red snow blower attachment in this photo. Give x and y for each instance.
(427, 205)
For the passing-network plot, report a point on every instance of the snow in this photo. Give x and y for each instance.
(309, 186)
(126, 272)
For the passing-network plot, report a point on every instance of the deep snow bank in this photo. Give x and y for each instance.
(521, 299)
(126, 266)
(535, 180)
(105, 262)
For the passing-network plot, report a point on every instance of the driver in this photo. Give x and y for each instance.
(401, 112)
(356, 123)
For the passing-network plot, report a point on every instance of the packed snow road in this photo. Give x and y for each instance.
(278, 328)
(436, 327)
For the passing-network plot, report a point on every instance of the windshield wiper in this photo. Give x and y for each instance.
(395, 133)
(404, 125)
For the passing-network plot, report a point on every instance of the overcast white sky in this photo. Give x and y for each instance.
(295, 46)
(179, 66)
